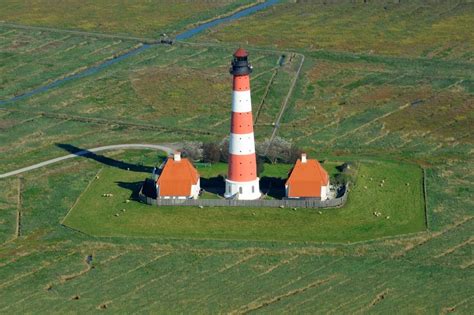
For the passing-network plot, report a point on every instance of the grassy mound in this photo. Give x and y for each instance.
(390, 188)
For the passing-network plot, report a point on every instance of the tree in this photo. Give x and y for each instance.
(224, 150)
(279, 150)
(211, 152)
(294, 154)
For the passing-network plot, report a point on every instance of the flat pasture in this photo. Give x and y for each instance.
(179, 87)
(393, 189)
(388, 87)
(30, 59)
(139, 18)
(380, 105)
(436, 30)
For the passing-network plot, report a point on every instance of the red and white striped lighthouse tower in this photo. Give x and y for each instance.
(242, 181)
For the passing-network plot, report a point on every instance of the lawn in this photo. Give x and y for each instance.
(400, 202)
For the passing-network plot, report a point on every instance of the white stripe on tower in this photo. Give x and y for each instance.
(242, 144)
(241, 102)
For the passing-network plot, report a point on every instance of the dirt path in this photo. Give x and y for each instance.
(168, 149)
(285, 102)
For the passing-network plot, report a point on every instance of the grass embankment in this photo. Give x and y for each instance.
(399, 201)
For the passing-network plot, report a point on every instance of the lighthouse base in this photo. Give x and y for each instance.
(242, 190)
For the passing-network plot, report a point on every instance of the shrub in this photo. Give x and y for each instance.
(260, 165)
(192, 150)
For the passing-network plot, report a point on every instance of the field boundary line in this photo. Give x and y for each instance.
(466, 264)
(454, 248)
(450, 309)
(81, 194)
(300, 251)
(278, 265)
(330, 288)
(208, 274)
(69, 277)
(238, 262)
(400, 108)
(332, 311)
(256, 304)
(345, 280)
(74, 32)
(265, 93)
(142, 265)
(19, 207)
(141, 287)
(17, 232)
(43, 266)
(101, 285)
(290, 282)
(431, 236)
(102, 121)
(425, 198)
(376, 300)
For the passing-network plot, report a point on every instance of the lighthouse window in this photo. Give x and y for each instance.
(253, 189)
(240, 190)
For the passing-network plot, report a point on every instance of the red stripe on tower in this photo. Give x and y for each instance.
(242, 181)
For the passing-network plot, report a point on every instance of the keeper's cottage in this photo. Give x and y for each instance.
(307, 179)
(178, 179)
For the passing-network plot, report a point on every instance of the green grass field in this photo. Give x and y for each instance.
(400, 201)
(33, 58)
(363, 64)
(142, 19)
(417, 28)
(180, 87)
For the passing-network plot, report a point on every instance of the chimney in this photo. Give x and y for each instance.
(303, 158)
(177, 156)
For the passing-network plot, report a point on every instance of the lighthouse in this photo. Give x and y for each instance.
(242, 182)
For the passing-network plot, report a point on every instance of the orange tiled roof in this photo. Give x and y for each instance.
(306, 179)
(177, 177)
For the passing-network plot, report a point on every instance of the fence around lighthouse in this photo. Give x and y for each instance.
(270, 203)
